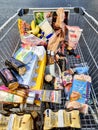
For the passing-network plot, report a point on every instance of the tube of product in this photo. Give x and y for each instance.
(8, 78)
(16, 65)
(10, 98)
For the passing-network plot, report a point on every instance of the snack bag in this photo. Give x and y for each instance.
(74, 33)
(80, 91)
(23, 27)
(50, 119)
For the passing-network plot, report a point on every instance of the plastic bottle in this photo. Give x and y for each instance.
(48, 57)
(52, 58)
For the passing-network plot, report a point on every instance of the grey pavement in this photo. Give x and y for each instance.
(9, 7)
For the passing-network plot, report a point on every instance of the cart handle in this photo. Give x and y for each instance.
(82, 11)
(79, 10)
(22, 12)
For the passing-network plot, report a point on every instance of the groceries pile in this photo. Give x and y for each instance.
(38, 72)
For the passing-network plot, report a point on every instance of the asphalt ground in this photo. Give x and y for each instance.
(9, 7)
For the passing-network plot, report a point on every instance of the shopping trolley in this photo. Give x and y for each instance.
(87, 48)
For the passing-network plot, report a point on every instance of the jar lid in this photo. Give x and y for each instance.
(48, 77)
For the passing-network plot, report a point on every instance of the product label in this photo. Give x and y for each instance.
(9, 98)
(7, 74)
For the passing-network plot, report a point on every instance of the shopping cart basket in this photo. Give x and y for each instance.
(87, 48)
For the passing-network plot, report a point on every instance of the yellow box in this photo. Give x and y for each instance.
(40, 71)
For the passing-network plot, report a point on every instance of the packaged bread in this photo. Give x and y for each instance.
(4, 122)
(61, 118)
(23, 122)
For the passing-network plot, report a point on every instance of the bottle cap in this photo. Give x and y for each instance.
(48, 78)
